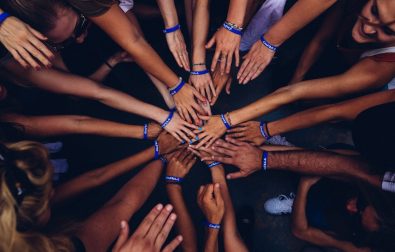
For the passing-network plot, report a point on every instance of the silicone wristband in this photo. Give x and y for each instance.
(264, 160)
(232, 29)
(173, 180)
(172, 29)
(199, 72)
(168, 119)
(177, 88)
(212, 225)
(216, 163)
(156, 153)
(3, 17)
(263, 133)
(227, 125)
(145, 132)
(268, 45)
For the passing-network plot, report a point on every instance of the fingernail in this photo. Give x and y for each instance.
(169, 208)
(173, 217)
(180, 238)
(216, 185)
(159, 207)
(197, 138)
(123, 224)
(213, 148)
(200, 128)
(182, 142)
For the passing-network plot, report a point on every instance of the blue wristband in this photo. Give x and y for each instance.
(173, 180)
(264, 160)
(212, 225)
(177, 88)
(168, 119)
(263, 133)
(232, 29)
(145, 132)
(227, 125)
(3, 17)
(216, 163)
(172, 29)
(199, 72)
(156, 145)
(268, 45)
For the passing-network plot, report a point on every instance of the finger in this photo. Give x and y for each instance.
(258, 72)
(18, 58)
(203, 141)
(185, 59)
(199, 96)
(211, 42)
(236, 142)
(182, 156)
(215, 59)
(176, 136)
(236, 135)
(173, 244)
(242, 68)
(229, 62)
(36, 33)
(237, 57)
(195, 152)
(183, 136)
(164, 232)
(160, 220)
(180, 111)
(225, 145)
(186, 115)
(208, 91)
(212, 87)
(188, 132)
(123, 236)
(177, 155)
(200, 191)
(191, 126)
(236, 129)
(217, 91)
(253, 70)
(210, 143)
(145, 225)
(204, 118)
(199, 109)
(27, 57)
(194, 116)
(246, 72)
(225, 160)
(41, 46)
(223, 62)
(223, 151)
(208, 194)
(190, 160)
(227, 88)
(235, 175)
(177, 58)
(37, 54)
(217, 194)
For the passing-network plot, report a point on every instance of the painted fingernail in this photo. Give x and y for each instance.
(197, 138)
(200, 128)
(182, 142)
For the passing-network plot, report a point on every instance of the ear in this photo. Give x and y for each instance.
(351, 206)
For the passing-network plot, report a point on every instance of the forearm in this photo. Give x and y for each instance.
(211, 244)
(302, 13)
(100, 74)
(299, 219)
(232, 239)
(101, 175)
(169, 12)
(347, 110)
(237, 11)
(308, 58)
(201, 20)
(184, 221)
(320, 163)
(47, 126)
(129, 38)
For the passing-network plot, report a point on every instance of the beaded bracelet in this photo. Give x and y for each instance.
(173, 180)
(198, 64)
(264, 160)
(212, 225)
(168, 119)
(232, 29)
(156, 149)
(3, 17)
(265, 134)
(268, 45)
(145, 132)
(172, 29)
(227, 125)
(174, 90)
(216, 163)
(199, 72)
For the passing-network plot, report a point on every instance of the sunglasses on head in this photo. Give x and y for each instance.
(80, 28)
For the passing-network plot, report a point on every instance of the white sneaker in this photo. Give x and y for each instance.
(279, 205)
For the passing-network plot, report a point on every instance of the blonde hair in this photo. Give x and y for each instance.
(19, 229)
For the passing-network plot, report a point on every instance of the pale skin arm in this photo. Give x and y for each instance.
(301, 228)
(46, 126)
(347, 110)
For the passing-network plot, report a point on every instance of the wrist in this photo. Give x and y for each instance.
(272, 39)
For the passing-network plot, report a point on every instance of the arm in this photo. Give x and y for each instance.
(211, 244)
(73, 124)
(23, 42)
(175, 40)
(101, 73)
(301, 228)
(318, 43)
(347, 110)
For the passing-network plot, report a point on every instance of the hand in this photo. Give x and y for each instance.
(227, 45)
(23, 42)
(180, 163)
(167, 143)
(309, 180)
(249, 132)
(151, 234)
(220, 81)
(177, 46)
(186, 104)
(255, 61)
(203, 84)
(118, 58)
(203, 152)
(180, 129)
(210, 132)
(211, 203)
(154, 130)
(242, 155)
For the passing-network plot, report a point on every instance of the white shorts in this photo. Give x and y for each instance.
(126, 5)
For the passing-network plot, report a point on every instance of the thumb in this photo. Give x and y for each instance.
(123, 236)
(234, 175)
(211, 42)
(227, 88)
(217, 194)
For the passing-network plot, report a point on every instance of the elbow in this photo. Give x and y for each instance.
(299, 233)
